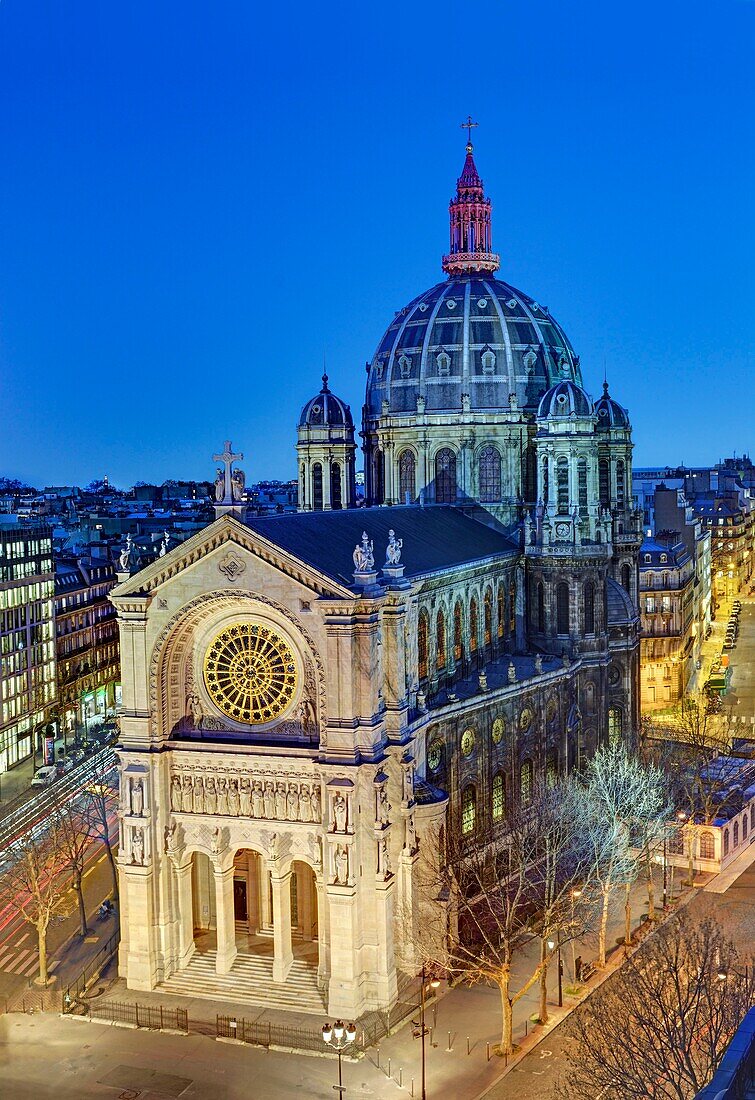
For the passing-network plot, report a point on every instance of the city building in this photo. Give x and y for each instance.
(27, 643)
(86, 639)
(310, 699)
(667, 607)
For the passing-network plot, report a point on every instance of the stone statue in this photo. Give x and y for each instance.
(269, 800)
(195, 709)
(292, 803)
(187, 795)
(316, 809)
(258, 808)
(210, 796)
(215, 840)
(339, 813)
(198, 795)
(305, 805)
(393, 549)
(233, 798)
(137, 797)
(125, 558)
(364, 557)
(245, 798)
(274, 848)
(137, 847)
(238, 485)
(222, 796)
(411, 835)
(176, 800)
(164, 545)
(385, 858)
(306, 713)
(341, 861)
(220, 485)
(280, 802)
(169, 833)
(538, 663)
(383, 806)
(512, 673)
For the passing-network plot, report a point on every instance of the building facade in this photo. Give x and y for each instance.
(27, 642)
(310, 699)
(669, 628)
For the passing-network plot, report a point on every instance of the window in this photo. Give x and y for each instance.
(545, 481)
(620, 484)
(614, 725)
(736, 834)
(626, 578)
(707, 846)
(489, 467)
(488, 361)
(458, 636)
(488, 617)
(562, 608)
(422, 635)
(379, 477)
(499, 796)
(468, 809)
(473, 626)
(744, 827)
(444, 363)
(335, 486)
(582, 485)
(525, 783)
(317, 487)
(501, 611)
(541, 607)
(604, 484)
(512, 609)
(445, 476)
(589, 625)
(406, 477)
(562, 485)
(551, 769)
(440, 641)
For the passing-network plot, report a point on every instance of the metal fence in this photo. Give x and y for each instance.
(267, 1034)
(75, 990)
(154, 1017)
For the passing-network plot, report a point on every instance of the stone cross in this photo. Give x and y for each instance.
(227, 458)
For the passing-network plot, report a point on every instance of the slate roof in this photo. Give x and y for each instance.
(620, 606)
(435, 538)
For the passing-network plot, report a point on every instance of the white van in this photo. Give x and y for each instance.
(43, 777)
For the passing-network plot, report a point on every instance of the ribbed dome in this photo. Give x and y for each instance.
(565, 399)
(325, 410)
(610, 413)
(474, 335)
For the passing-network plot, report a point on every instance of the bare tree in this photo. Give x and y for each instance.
(624, 807)
(101, 793)
(74, 833)
(34, 884)
(657, 1029)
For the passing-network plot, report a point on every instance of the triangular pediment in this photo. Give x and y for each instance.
(227, 532)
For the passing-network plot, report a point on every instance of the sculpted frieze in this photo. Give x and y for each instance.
(265, 796)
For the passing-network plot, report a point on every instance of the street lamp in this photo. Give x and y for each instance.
(575, 894)
(551, 945)
(339, 1035)
(428, 982)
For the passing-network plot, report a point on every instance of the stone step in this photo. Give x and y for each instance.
(250, 981)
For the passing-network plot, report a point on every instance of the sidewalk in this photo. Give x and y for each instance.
(721, 882)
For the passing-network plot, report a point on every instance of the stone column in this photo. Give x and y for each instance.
(326, 464)
(284, 956)
(185, 913)
(266, 915)
(136, 895)
(224, 920)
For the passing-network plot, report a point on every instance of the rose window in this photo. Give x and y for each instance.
(250, 673)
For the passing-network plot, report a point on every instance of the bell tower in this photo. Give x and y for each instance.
(326, 453)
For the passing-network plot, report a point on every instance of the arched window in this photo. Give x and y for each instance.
(604, 484)
(551, 769)
(407, 465)
(736, 834)
(317, 487)
(440, 641)
(544, 479)
(752, 816)
(562, 485)
(626, 578)
(489, 466)
(562, 608)
(303, 481)
(488, 617)
(468, 809)
(423, 630)
(726, 842)
(582, 485)
(541, 607)
(589, 624)
(620, 485)
(379, 477)
(525, 782)
(336, 499)
(458, 634)
(744, 827)
(499, 796)
(614, 725)
(512, 609)
(501, 624)
(707, 846)
(473, 625)
(445, 476)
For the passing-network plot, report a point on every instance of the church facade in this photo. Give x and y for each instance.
(310, 699)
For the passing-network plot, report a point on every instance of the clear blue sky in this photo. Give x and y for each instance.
(198, 201)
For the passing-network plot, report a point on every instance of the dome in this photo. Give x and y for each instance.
(565, 399)
(610, 413)
(470, 335)
(325, 410)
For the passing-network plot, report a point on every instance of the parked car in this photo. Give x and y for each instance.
(64, 765)
(43, 777)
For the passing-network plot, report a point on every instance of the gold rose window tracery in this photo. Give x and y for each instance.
(250, 673)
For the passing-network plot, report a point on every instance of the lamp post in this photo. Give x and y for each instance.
(339, 1036)
(551, 945)
(428, 982)
(574, 895)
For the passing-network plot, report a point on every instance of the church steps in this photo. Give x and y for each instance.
(249, 982)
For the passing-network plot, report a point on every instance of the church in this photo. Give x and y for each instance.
(311, 699)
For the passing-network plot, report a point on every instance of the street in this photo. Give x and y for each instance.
(741, 694)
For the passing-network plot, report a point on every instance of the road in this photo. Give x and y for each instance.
(741, 694)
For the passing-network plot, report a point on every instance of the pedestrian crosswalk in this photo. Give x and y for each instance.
(15, 960)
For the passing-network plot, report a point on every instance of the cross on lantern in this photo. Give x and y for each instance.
(469, 125)
(227, 458)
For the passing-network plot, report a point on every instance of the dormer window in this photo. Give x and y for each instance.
(664, 557)
(488, 361)
(443, 360)
(405, 366)
(648, 558)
